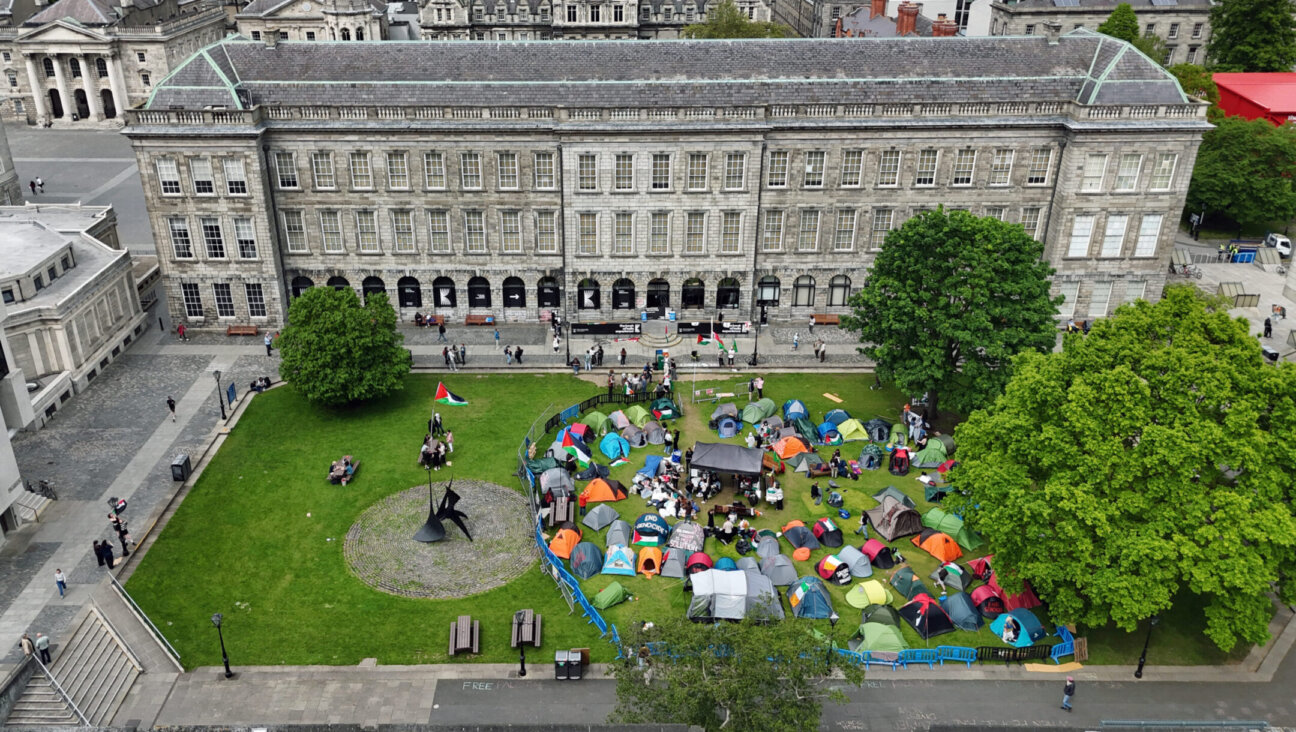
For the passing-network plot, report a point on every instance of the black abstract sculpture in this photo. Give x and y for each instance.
(433, 530)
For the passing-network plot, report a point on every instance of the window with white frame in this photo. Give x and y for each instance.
(925, 173)
(361, 173)
(192, 299)
(1164, 171)
(546, 232)
(623, 178)
(995, 212)
(1127, 173)
(772, 238)
(544, 171)
(1095, 169)
(778, 169)
(367, 232)
(322, 170)
(475, 232)
(294, 231)
(587, 172)
(1001, 167)
(623, 234)
(286, 168)
(168, 173)
(213, 237)
(731, 233)
(434, 173)
(507, 164)
(439, 231)
(889, 168)
(1041, 161)
(1148, 234)
(661, 171)
(470, 176)
(1030, 218)
(1068, 291)
(814, 169)
(510, 232)
(403, 231)
(398, 170)
(587, 230)
(181, 242)
(844, 237)
(1114, 235)
(735, 171)
(1134, 290)
(882, 219)
(255, 299)
(695, 233)
(852, 170)
(1081, 234)
(964, 164)
(1100, 299)
(200, 170)
(808, 233)
(697, 171)
(245, 237)
(659, 233)
(331, 232)
(224, 300)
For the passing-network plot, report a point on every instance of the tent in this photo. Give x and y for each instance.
(926, 616)
(809, 598)
(981, 568)
(758, 410)
(933, 491)
(955, 577)
(620, 559)
(939, 519)
(597, 421)
(794, 409)
(834, 570)
(828, 532)
(805, 462)
(800, 536)
(722, 410)
(600, 517)
(828, 434)
(654, 433)
(859, 564)
(879, 429)
(1029, 630)
(565, 540)
(789, 446)
(698, 562)
(893, 519)
(807, 430)
(664, 408)
(673, 564)
(931, 456)
(938, 544)
(773, 424)
(877, 637)
(871, 457)
(586, 560)
(962, 612)
(988, 602)
(595, 470)
(614, 446)
(1026, 599)
(635, 436)
(851, 430)
(603, 489)
(948, 442)
(884, 614)
(779, 569)
(718, 595)
(580, 430)
(688, 537)
(637, 415)
(879, 554)
(869, 592)
(899, 435)
(908, 584)
(726, 564)
(611, 595)
(766, 547)
(899, 462)
(749, 564)
(541, 464)
(650, 561)
(894, 493)
(837, 416)
(619, 420)
(722, 458)
(557, 480)
(728, 427)
(652, 466)
(618, 533)
(650, 529)
(762, 598)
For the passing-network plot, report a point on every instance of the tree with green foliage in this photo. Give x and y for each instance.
(1147, 461)
(1197, 82)
(1153, 47)
(950, 299)
(722, 675)
(725, 20)
(1252, 35)
(1122, 24)
(337, 351)
(1245, 170)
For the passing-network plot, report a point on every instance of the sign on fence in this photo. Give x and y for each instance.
(706, 327)
(612, 329)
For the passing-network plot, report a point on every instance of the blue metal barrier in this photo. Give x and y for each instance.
(1065, 648)
(919, 655)
(958, 654)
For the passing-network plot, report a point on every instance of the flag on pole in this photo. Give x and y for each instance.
(703, 340)
(447, 397)
(573, 446)
(720, 343)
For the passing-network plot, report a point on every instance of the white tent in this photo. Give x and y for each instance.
(719, 594)
(762, 599)
(858, 563)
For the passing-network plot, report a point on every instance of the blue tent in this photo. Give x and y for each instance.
(728, 427)
(651, 529)
(614, 446)
(585, 560)
(620, 559)
(652, 466)
(726, 564)
(794, 409)
(809, 598)
(837, 416)
(1029, 629)
(828, 434)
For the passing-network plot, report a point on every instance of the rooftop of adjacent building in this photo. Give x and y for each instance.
(265, 8)
(31, 234)
(871, 21)
(1105, 6)
(1274, 91)
(98, 13)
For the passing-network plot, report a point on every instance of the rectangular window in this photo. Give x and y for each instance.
(1127, 174)
(882, 218)
(1095, 169)
(544, 171)
(772, 239)
(1134, 290)
(844, 239)
(571, 13)
(1174, 31)
(397, 170)
(294, 231)
(510, 232)
(1114, 235)
(695, 234)
(1030, 29)
(1041, 161)
(331, 230)
(192, 300)
(731, 233)
(1149, 29)
(661, 171)
(588, 233)
(508, 170)
(475, 232)
(224, 300)
(814, 169)
(778, 168)
(623, 234)
(403, 232)
(181, 243)
(852, 168)
(200, 169)
(618, 13)
(925, 174)
(145, 79)
(434, 175)
(1148, 233)
(361, 173)
(245, 237)
(1100, 300)
(1192, 54)
(995, 212)
(735, 171)
(286, 167)
(168, 176)
(322, 170)
(587, 172)
(697, 172)
(1197, 30)
(367, 232)
(255, 300)
(596, 13)
(1001, 168)
(624, 179)
(470, 170)
(235, 178)
(808, 235)
(889, 168)
(964, 164)
(659, 235)
(213, 238)
(1081, 233)
(1164, 171)
(546, 232)
(439, 231)
(1068, 291)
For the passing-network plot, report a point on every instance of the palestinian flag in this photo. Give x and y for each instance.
(573, 446)
(619, 462)
(703, 340)
(449, 398)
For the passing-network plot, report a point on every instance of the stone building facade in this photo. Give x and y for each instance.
(84, 61)
(735, 179)
(1184, 25)
(11, 189)
(314, 20)
(523, 20)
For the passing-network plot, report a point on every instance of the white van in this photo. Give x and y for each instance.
(1282, 243)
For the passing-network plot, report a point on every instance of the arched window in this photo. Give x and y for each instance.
(623, 294)
(409, 292)
(514, 292)
(479, 293)
(443, 292)
(75, 67)
(300, 285)
(693, 294)
(548, 295)
(767, 290)
(338, 283)
(359, 34)
(839, 290)
(101, 68)
(48, 63)
(587, 295)
(372, 285)
(727, 294)
(346, 34)
(658, 294)
(803, 291)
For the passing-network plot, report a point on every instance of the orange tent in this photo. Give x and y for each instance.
(601, 489)
(789, 446)
(938, 544)
(564, 541)
(793, 522)
(802, 554)
(650, 559)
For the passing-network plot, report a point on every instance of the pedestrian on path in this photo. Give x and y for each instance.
(508, 355)
(556, 343)
(623, 356)
(28, 647)
(1068, 691)
(823, 352)
(182, 332)
(1268, 328)
(811, 325)
(760, 387)
(40, 185)
(518, 355)
(98, 552)
(42, 645)
(171, 406)
(268, 341)
(109, 560)
(463, 355)
(611, 381)
(796, 340)
(441, 333)
(497, 337)
(32, 185)
(61, 580)
(454, 359)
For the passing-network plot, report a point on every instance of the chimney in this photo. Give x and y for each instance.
(1052, 29)
(271, 37)
(878, 7)
(124, 3)
(837, 30)
(906, 19)
(944, 28)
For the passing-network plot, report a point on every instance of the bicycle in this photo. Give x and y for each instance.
(1190, 270)
(43, 488)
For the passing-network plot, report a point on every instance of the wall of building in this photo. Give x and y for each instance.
(1185, 30)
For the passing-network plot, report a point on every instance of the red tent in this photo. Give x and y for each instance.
(1026, 599)
(989, 601)
(1270, 96)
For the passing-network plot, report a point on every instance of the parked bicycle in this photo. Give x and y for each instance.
(1190, 270)
(43, 488)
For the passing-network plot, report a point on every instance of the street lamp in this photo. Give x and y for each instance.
(1138, 672)
(221, 400)
(832, 625)
(522, 661)
(216, 621)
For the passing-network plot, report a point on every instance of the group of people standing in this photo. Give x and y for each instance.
(435, 452)
(454, 359)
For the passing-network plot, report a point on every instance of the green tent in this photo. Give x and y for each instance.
(611, 595)
(898, 434)
(638, 416)
(539, 465)
(597, 421)
(851, 429)
(877, 637)
(806, 429)
(908, 584)
(940, 520)
(665, 409)
(758, 410)
(882, 614)
(931, 456)
(896, 493)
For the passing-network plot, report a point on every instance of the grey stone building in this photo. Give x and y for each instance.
(1184, 25)
(530, 20)
(598, 178)
(314, 20)
(11, 191)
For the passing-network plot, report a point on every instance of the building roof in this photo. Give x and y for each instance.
(258, 8)
(1080, 66)
(1274, 91)
(30, 234)
(1101, 6)
(88, 12)
(858, 24)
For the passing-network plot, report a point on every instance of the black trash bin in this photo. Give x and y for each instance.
(180, 468)
(573, 665)
(560, 665)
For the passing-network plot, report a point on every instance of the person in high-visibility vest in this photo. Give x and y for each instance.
(1221, 253)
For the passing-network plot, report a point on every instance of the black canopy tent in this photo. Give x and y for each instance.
(727, 459)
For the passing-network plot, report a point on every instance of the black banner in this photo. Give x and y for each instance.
(703, 327)
(614, 329)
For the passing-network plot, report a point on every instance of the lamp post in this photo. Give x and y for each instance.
(832, 625)
(216, 621)
(1138, 672)
(221, 400)
(521, 661)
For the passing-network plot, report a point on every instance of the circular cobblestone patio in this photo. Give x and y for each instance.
(381, 551)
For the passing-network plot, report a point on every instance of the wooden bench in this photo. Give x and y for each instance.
(827, 319)
(479, 320)
(563, 509)
(235, 330)
(464, 635)
(526, 628)
(355, 470)
(738, 509)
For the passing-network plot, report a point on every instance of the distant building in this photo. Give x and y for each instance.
(15, 411)
(11, 189)
(529, 20)
(1258, 96)
(314, 20)
(1184, 25)
(872, 22)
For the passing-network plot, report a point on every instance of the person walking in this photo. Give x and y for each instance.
(518, 355)
(32, 185)
(760, 387)
(623, 356)
(445, 353)
(28, 648)
(1268, 328)
(823, 352)
(796, 340)
(40, 185)
(61, 580)
(441, 333)
(98, 552)
(182, 332)
(497, 337)
(863, 525)
(463, 354)
(811, 325)
(611, 381)
(109, 560)
(1068, 691)
(556, 343)
(42, 645)
(508, 355)
(171, 406)
(268, 341)
(449, 441)
(1220, 256)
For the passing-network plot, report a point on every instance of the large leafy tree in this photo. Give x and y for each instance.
(746, 676)
(1252, 35)
(725, 20)
(1244, 170)
(1122, 24)
(950, 299)
(1197, 82)
(336, 350)
(1150, 457)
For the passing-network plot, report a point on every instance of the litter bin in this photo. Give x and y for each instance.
(1270, 353)
(180, 468)
(560, 665)
(573, 665)
(661, 359)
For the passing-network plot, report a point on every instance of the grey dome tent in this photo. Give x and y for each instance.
(724, 410)
(635, 436)
(956, 578)
(836, 416)
(767, 547)
(728, 427)
(688, 537)
(673, 564)
(800, 536)
(762, 599)
(586, 560)
(893, 519)
(619, 420)
(962, 612)
(619, 533)
(879, 429)
(779, 569)
(557, 480)
(809, 598)
(746, 563)
(654, 433)
(859, 564)
(772, 423)
(600, 517)
(870, 457)
(895, 493)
